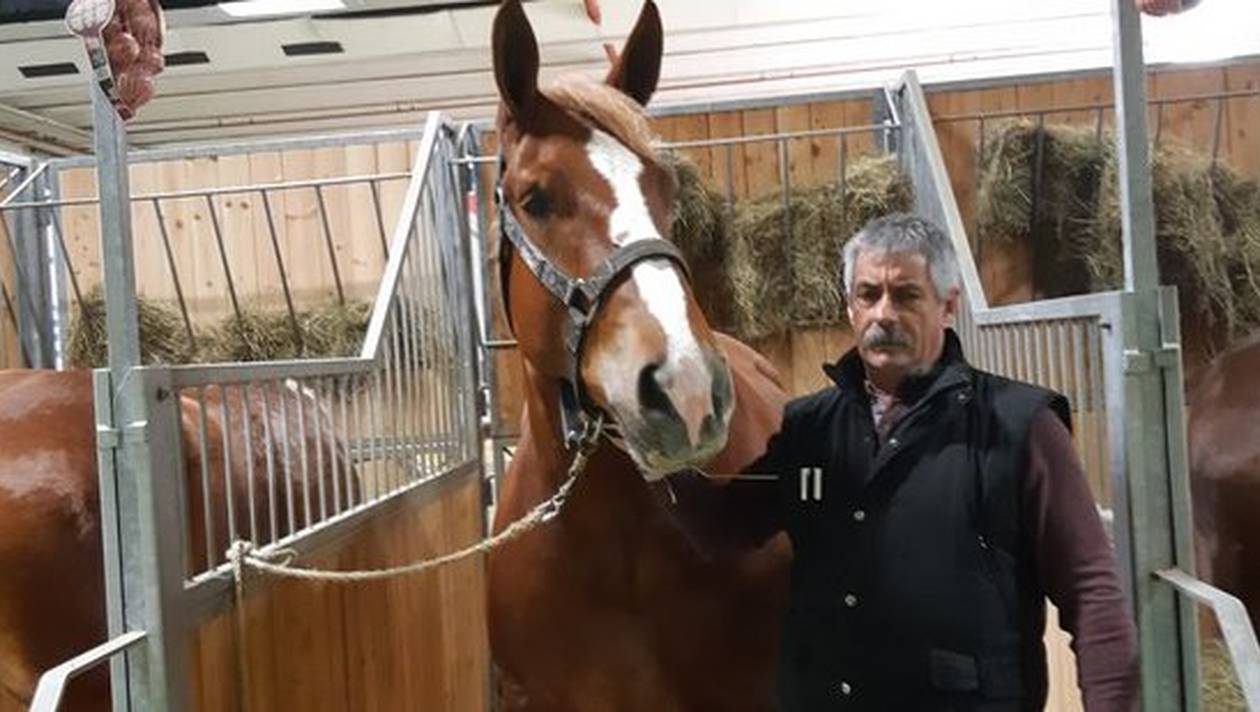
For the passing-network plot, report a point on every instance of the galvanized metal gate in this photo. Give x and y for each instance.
(344, 438)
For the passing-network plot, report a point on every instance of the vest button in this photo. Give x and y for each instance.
(850, 600)
(845, 689)
(892, 442)
(859, 515)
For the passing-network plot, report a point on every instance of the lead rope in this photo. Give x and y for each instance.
(242, 554)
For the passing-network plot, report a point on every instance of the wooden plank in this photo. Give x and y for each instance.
(265, 167)
(960, 140)
(81, 225)
(359, 238)
(826, 149)
(793, 118)
(729, 176)
(694, 127)
(1192, 123)
(761, 158)
(1240, 145)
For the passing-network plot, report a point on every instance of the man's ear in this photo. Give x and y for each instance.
(953, 300)
(638, 67)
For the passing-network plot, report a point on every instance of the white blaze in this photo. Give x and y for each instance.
(684, 372)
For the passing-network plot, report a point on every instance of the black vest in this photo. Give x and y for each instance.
(911, 587)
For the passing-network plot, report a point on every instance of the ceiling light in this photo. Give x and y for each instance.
(259, 8)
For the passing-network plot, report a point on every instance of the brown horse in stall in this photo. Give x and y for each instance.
(1223, 436)
(52, 601)
(609, 607)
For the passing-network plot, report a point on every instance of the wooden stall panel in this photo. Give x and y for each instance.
(411, 643)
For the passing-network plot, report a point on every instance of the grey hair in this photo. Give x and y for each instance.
(905, 233)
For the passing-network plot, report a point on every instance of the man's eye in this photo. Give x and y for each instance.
(536, 204)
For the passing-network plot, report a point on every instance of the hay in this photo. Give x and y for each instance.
(778, 286)
(1207, 222)
(328, 331)
(699, 213)
(1218, 682)
(163, 339)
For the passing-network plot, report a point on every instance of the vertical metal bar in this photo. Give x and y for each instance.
(351, 471)
(978, 178)
(362, 453)
(729, 153)
(299, 400)
(207, 501)
(284, 278)
(328, 241)
(374, 423)
(1097, 398)
(286, 442)
(1132, 152)
(230, 505)
(321, 474)
(785, 181)
(71, 275)
(223, 257)
(170, 263)
(1159, 123)
(408, 300)
(1216, 135)
(842, 179)
(247, 433)
(380, 217)
(1039, 357)
(269, 443)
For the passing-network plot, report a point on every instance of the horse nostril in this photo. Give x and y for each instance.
(651, 396)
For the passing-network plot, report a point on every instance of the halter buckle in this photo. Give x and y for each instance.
(576, 298)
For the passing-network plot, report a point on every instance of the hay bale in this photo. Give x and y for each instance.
(1221, 691)
(779, 285)
(1207, 222)
(163, 339)
(699, 231)
(699, 213)
(335, 330)
(254, 335)
(328, 331)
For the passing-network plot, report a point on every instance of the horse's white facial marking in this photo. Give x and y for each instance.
(685, 375)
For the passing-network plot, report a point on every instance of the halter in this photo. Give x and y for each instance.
(582, 298)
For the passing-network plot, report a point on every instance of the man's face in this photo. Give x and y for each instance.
(896, 313)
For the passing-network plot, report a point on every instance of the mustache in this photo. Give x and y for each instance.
(877, 336)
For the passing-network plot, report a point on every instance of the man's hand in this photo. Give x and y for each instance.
(1160, 7)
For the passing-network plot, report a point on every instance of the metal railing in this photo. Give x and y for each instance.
(283, 455)
(37, 216)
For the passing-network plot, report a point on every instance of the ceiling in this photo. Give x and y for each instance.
(397, 59)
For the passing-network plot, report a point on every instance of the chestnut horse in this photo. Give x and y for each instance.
(1224, 452)
(609, 607)
(52, 602)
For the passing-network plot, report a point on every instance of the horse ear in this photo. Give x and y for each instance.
(515, 60)
(638, 69)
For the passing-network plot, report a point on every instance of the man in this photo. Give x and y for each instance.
(931, 508)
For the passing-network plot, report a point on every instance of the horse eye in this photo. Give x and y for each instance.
(536, 203)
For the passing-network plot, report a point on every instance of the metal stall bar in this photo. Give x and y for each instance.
(136, 449)
(1166, 630)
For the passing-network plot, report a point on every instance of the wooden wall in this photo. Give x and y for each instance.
(243, 224)
(413, 643)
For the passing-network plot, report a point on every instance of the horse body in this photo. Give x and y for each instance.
(611, 607)
(52, 603)
(1223, 441)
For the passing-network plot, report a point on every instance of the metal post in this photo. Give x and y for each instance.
(1154, 431)
(140, 503)
(33, 254)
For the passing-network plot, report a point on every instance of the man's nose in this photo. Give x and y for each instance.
(884, 310)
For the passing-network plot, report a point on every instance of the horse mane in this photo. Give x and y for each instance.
(605, 108)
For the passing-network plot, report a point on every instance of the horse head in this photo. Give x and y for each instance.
(600, 304)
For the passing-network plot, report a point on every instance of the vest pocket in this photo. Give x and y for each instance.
(953, 672)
